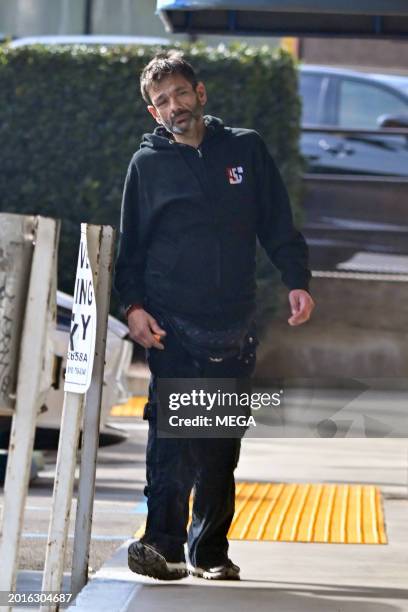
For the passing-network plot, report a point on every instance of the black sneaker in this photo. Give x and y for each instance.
(226, 571)
(145, 560)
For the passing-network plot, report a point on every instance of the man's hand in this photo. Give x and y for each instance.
(144, 329)
(301, 305)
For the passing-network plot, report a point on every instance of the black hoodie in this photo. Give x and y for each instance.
(189, 223)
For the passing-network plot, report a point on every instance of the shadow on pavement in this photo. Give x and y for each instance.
(211, 597)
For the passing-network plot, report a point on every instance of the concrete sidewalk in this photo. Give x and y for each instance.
(289, 577)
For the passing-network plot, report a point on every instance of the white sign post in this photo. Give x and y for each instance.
(101, 241)
(92, 275)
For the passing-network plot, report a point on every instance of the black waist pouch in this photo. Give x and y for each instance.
(211, 344)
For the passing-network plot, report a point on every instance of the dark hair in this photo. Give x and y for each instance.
(162, 65)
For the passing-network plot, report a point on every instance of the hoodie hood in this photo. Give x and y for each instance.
(161, 138)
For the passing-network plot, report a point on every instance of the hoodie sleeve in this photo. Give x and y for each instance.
(285, 246)
(129, 268)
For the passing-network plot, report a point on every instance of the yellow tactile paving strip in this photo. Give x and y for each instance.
(319, 513)
(290, 512)
(133, 407)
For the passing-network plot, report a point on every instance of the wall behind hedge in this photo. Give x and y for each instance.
(71, 118)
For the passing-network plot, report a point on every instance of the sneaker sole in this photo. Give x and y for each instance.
(147, 562)
(209, 576)
(212, 576)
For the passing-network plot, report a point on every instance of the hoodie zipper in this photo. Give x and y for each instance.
(207, 194)
(216, 228)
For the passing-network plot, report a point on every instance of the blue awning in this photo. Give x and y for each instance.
(357, 18)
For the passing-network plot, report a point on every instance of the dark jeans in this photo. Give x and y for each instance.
(175, 466)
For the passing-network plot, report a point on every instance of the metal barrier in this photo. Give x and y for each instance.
(35, 278)
(28, 275)
(17, 245)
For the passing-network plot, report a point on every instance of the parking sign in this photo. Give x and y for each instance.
(81, 347)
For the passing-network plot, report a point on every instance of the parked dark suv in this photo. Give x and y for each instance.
(355, 145)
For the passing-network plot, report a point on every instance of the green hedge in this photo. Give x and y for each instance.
(71, 118)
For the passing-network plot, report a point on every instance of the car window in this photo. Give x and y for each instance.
(63, 317)
(360, 104)
(310, 88)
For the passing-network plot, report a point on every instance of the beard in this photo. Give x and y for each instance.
(188, 116)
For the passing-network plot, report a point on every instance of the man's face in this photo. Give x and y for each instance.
(176, 105)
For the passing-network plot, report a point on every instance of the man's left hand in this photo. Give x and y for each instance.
(301, 304)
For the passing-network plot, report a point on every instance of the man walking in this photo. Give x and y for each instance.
(196, 196)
